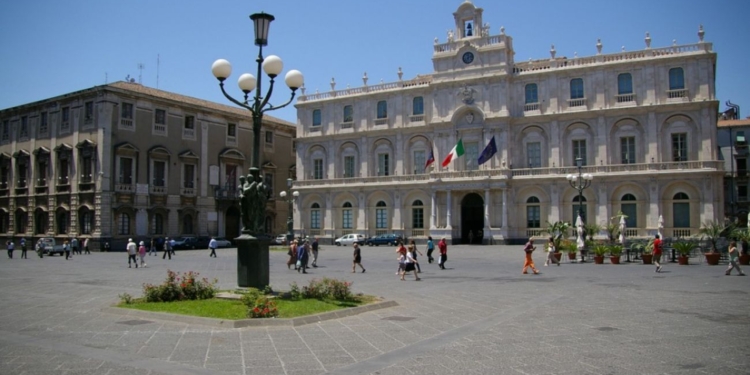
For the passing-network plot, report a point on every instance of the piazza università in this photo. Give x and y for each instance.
(124, 160)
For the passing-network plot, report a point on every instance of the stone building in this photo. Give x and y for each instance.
(642, 122)
(732, 138)
(125, 160)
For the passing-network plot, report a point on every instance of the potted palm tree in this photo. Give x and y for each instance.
(558, 231)
(592, 229)
(599, 251)
(713, 231)
(569, 247)
(646, 250)
(615, 251)
(684, 248)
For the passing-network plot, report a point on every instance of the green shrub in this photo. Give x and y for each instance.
(258, 305)
(294, 292)
(126, 298)
(615, 250)
(328, 289)
(600, 249)
(176, 288)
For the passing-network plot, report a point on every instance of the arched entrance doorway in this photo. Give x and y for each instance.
(232, 224)
(472, 219)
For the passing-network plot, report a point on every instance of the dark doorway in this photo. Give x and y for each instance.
(472, 219)
(232, 226)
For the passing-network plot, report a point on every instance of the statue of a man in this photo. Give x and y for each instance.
(261, 196)
(244, 205)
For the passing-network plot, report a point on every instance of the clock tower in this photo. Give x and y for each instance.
(470, 49)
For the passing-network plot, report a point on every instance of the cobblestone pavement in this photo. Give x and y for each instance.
(480, 316)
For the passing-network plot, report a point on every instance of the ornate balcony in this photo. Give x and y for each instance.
(157, 190)
(124, 188)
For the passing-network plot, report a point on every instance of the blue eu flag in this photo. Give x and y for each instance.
(488, 152)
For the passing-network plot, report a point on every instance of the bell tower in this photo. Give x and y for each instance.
(468, 21)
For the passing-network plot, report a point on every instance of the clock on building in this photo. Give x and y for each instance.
(468, 57)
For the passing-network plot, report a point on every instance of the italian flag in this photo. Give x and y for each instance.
(456, 152)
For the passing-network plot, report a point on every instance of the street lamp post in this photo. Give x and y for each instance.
(580, 182)
(252, 253)
(290, 201)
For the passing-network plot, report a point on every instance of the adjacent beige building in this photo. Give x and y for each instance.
(642, 122)
(125, 160)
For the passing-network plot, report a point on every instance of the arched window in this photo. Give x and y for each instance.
(382, 109)
(533, 213)
(417, 215)
(381, 216)
(187, 224)
(315, 216)
(158, 224)
(41, 221)
(21, 221)
(681, 210)
(531, 93)
(676, 79)
(579, 206)
(4, 219)
(624, 84)
(347, 219)
(576, 88)
(316, 117)
(124, 224)
(86, 221)
(62, 222)
(630, 209)
(418, 105)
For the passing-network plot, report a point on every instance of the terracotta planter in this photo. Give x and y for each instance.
(557, 255)
(572, 256)
(647, 258)
(598, 259)
(712, 258)
(614, 259)
(745, 259)
(682, 260)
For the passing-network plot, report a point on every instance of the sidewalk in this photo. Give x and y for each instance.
(480, 316)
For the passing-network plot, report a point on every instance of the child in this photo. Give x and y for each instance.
(551, 253)
(142, 253)
(529, 262)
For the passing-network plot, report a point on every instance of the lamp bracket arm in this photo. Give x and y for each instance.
(271, 107)
(268, 95)
(233, 100)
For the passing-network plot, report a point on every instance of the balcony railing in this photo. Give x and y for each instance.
(534, 232)
(160, 129)
(529, 107)
(625, 98)
(577, 102)
(378, 232)
(681, 93)
(188, 133)
(347, 125)
(417, 233)
(157, 190)
(187, 191)
(124, 188)
(681, 232)
(381, 121)
(227, 193)
(126, 123)
(416, 118)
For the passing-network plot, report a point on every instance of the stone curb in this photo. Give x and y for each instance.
(224, 323)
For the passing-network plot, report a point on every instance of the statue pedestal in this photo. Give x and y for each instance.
(252, 262)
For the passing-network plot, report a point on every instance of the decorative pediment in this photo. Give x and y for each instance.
(188, 154)
(86, 143)
(21, 154)
(269, 165)
(41, 151)
(232, 153)
(126, 146)
(63, 147)
(4, 156)
(160, 150)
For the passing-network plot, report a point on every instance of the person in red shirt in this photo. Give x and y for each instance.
(443, 247)
(529, 262)
(657, 252)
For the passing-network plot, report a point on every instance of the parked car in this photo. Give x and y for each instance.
(279, 240)
(50, 248)
(223, 242)
(181, 243)
(350, 239)
(391, 239)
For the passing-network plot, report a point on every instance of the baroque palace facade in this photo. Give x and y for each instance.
(124, 160)
(643, 123)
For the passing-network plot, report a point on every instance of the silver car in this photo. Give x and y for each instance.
(350, 239)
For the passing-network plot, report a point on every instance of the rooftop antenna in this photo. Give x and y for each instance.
(157, 70)
(140, 73)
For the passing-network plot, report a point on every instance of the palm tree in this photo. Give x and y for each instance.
(558, 231)
(713, 231)
(592, 229)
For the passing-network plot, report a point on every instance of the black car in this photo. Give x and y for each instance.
(188, 243)
(384, 239)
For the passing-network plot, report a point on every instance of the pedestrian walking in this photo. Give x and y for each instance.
(657, 252)
(152, 248)
(132, 249)
(443, 247)
(292, 261)
(167, 249)
(11, 247)
(212, 246)
(529, 249)
(413, 250)
(401, 256)
(357, 258)
(734, 256)
(430, 249)
(40, 248)
(66, 249)
(315, 252)
(86, 246)
(142, 254)
(551, 253)
(74, 246)
(302, 256)
(410, 264)
(23, 249)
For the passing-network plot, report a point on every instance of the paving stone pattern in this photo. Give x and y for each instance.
(480, 316)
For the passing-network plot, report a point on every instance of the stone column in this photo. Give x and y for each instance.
(504, 223)
(448, 211)
(487, 224)
(433, 210)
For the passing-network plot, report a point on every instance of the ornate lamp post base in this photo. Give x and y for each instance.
(252, 262)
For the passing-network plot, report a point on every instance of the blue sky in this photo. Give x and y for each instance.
(52, 47)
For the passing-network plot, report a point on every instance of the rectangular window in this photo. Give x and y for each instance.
(126, 171)
(381, 218)
(382, 109)
(88, 111)
(160, 117)
(629, 209)
(231, 130)
(532, 95)
(472, 154)
(65, 115)
(315, 219)
(86, 166)
(676, 79)
(230, 177)
(318, 169)
(741, 166)
(418, 106)
(419, 161)
(383, 165)
(63, 173)
(679, 147)
(269, 138)
(627, 150)
(576, 88)
(268, 180)
(190, 122)
(533, 217)
(579, 151)
(681, 212)
(624, 84)
(124, 224)
(43, 123)
(417, 218)
(316, 120)
(4, 175)
(348, 166)
(346, 218)
(534, 154)
(42, 171)
(24, 131)
(348, 113)
(160, 169)
(742, 193)
(127, 111)
(189, 176)
(22, 174)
